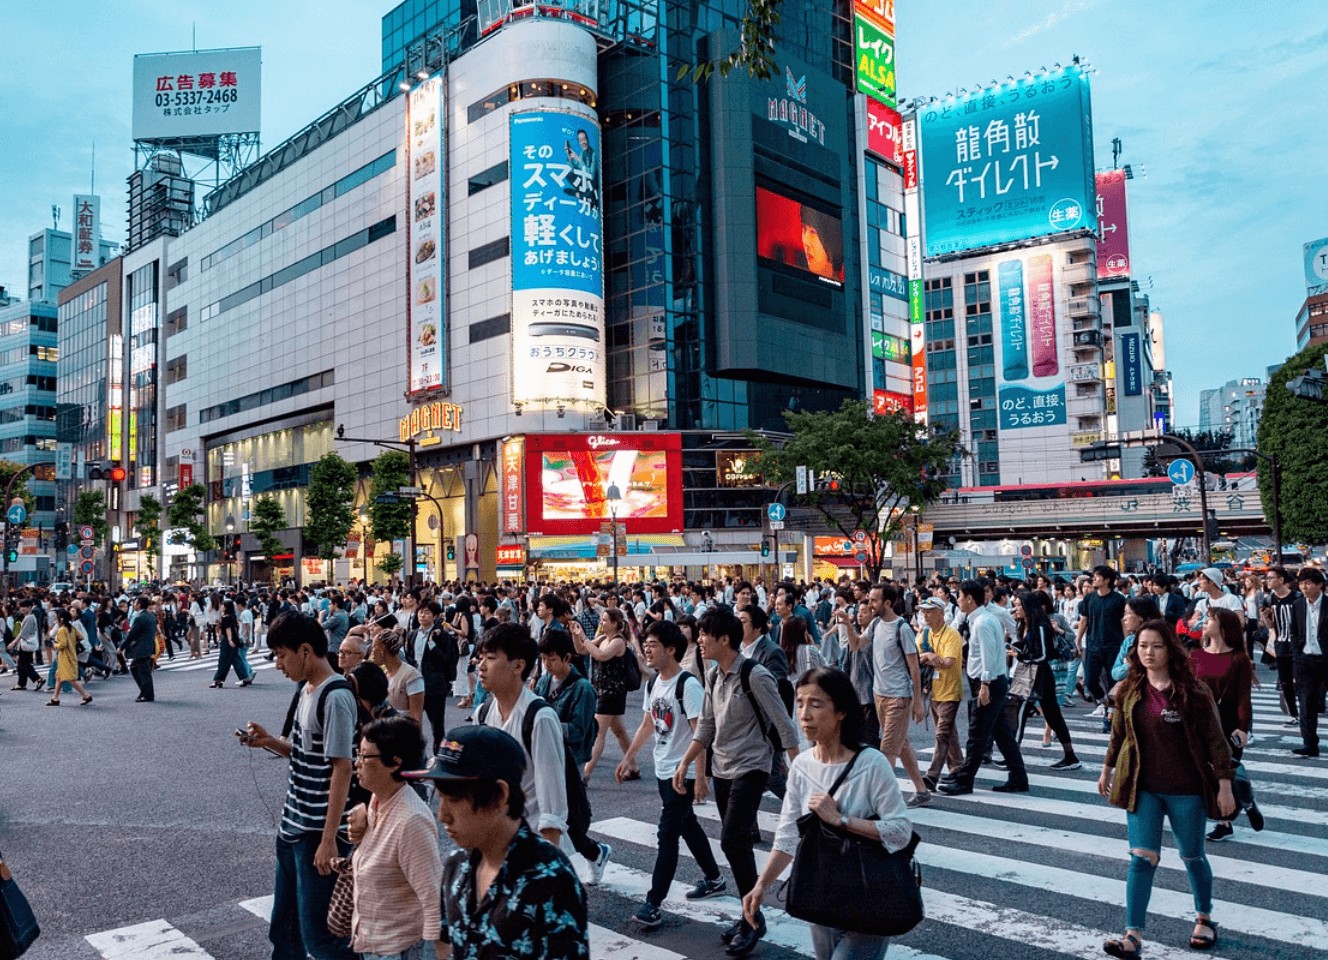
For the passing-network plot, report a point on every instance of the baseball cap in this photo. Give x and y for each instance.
(932, 603)
(475, 752)
(1213, 574)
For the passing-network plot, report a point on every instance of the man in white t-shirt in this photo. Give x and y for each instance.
(672, 718)
(1208, 588)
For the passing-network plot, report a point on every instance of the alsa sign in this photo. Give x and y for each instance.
(791, 110)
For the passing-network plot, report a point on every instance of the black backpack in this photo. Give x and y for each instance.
(679, 690)
(578, 804)
(745, 678)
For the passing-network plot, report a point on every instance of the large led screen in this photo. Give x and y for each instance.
(796, 235)
(569, 476)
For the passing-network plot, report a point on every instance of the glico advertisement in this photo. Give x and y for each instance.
(1030, 365)
(557, 259)
(1008, 162)
(569, 476)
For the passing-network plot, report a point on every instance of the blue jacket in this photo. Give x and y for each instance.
(575, 703)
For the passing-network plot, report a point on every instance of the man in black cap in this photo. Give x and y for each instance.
(528, 902)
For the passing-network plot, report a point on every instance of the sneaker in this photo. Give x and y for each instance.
(1000, 764)
(1255, 815)
(1099, 711)
(1067, 763)
(929, 782)
(707, 888)
(597, 866)
(1293, 722)
(1220, 832)
(918, 800)
(649, 916)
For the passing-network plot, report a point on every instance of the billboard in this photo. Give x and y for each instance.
(1316, 267)
(513, 486)
(568, 478)
(1007, 163)
(731, 469)
(1031, 388)
(799, 236)
(885, 401)
(874, 54)
(1113, 249)
(202, 93)
(883, 125)
(888, 347)
(1132, 364)
(86, 250)
(557, 259)
(426, 216)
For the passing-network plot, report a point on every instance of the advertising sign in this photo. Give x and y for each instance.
(887, 282)
(1316, 266)
(87, 234)
(918, 349)
(874, 47)
(1029, 353)
(510, 555)
(1009, 162)
(888, 347)
(731, 469)
(568, 477)
(883, 136)
(884, 401)
(799, 236)
(557, 259)
(200, 93)
(1132, 364)
(514, 491)
(1113, 250)
(426, 217)
(64, 461)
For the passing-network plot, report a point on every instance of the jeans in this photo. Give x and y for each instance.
(1188, 817)
(987, 725)
(242, 668)
(300, 898)
(678, 819)
(140, 668)
(738, 801)
(1311, 675)
(944, 713)
(1098, 661)
(829, 943)
(417, 952)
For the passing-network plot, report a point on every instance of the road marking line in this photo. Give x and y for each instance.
(606, 944)
(154, 940)
(260, 907)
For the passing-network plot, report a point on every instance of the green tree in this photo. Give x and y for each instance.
(331, 492)
(1210, 443)
(90, 510)
(147, 524)
(266, 517)
(187, 515)
(390, 564)
(756, 50)
(884, 465)
(390, 521)
(7, 470)
(1293, 428)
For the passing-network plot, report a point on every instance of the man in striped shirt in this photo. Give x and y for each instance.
(312, 829)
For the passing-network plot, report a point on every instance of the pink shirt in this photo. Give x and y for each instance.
(398, 872)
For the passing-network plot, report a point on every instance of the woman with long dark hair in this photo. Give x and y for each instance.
(1167, 758)
(608, 651)
(868, 803)
(1223, 663)
(796, 642)
(1033, 648)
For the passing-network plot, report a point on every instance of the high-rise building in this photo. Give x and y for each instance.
(1235, 409)
(50, 260)
(1312, 317)
(28, 356)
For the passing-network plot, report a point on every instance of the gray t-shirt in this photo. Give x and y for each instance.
(889, 643)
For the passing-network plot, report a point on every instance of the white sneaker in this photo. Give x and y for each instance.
(597, 866)
(1099, 711)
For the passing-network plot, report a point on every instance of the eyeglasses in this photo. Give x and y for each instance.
(366, 756)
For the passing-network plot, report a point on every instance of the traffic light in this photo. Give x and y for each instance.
(451, 550)
(97, 470)
(1308, 386)
(61, 535)
(117, 474)
(1100, 451)
(12, 554)
(765, 546)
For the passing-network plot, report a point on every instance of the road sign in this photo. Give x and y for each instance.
(86, 553)
(1181, 472)
(88, 542)
(86, 532)
(860, 557)
(802, 481)
(1028, 563)
(16, 514)
(776, 524)
(1026, 550)
(85, 567)
(775, 511)
(72, 549)
(860, 536)
(387, 498)
(410, 492)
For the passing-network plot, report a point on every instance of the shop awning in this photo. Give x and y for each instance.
(580, 548)
(843, 563)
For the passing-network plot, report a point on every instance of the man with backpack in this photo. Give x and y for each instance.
(740, 716)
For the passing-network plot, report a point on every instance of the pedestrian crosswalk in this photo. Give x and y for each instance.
(1040, 874)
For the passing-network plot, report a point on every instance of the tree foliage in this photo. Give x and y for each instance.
(756, 50)
(266, 517)
(90, 510)
(331, 492)
(7, 470)
(390, 564)
(1204, 441)
(884, 464)
(390, 521)
(186, 514)
(1293, 429)
(147, 524)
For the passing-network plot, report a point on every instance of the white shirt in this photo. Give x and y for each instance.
(246, 626)
(1312, 627)
(673, 731)
(542, 783)
(871, 790)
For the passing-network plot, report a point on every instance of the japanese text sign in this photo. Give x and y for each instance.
(1113, 249)
(87, 234)
(513, 505)
(883, 131)
(874, 49)
(197, 94)
(1132, 364)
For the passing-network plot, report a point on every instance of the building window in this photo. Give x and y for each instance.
(489, 253)
(176, 321)
(177, 369)
(177, 273)
(487, 178)
(493, 327)
(283, 391)
(561, 89)
(175, 418)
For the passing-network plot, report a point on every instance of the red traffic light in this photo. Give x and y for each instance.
(117, 474)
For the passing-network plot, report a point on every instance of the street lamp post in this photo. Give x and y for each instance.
(230, 529)
(613, 495)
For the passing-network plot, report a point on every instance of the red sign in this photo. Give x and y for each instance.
(569, 478)
(513, 487)
(882, 11)
(511, 555)
(833, 547)
(883, 134)
(1113, 250)
(186, 474)
(910, 169)
(885, 401)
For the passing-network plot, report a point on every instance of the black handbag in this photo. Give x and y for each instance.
(848, 882)
(18, 927)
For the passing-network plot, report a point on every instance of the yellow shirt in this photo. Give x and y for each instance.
(947, 686)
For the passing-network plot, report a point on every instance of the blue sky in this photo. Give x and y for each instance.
(1222, 104)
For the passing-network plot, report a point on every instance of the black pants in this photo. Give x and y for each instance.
(1311, 675)
(1044, 687)
(677, 820)
(871, 725)
(739, 801)
(435, 708)
(26, 670)
(140, 668)
(1286, 677)
(988, 724)
(1098, 661)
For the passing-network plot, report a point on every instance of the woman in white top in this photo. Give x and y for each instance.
(405, 684)
(828, 714)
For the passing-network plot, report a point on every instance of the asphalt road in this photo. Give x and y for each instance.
(120, 814)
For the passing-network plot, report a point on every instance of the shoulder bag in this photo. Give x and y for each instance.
(18, 926)
(848, 882)
(341, 908)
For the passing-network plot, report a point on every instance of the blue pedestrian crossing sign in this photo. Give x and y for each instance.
(16, 514)
(1181, 472)
(776, 512)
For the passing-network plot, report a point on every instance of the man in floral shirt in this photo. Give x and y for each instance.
(508, 892)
